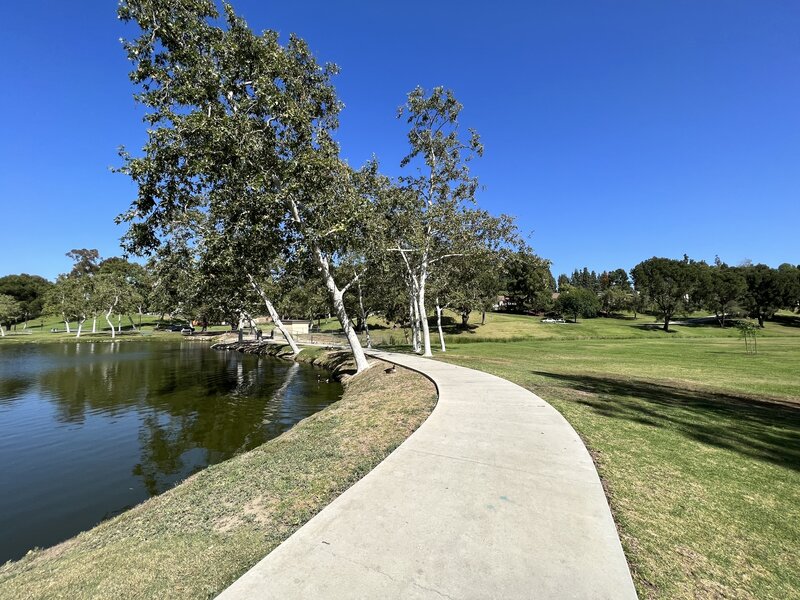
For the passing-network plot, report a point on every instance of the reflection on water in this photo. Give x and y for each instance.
(88, 430)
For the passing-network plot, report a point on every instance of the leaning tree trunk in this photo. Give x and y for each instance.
(108, 318)
(337, 298)
(110, 324)
(80, 327)
(439, 325)
(275, 317)
(67, 325)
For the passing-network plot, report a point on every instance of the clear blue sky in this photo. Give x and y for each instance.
(614, 130)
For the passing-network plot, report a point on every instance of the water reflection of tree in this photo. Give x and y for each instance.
(12, 388)
(95, 378)
(197, 406)
(16, 373)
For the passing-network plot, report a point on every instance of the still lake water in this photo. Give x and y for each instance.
(88, 430)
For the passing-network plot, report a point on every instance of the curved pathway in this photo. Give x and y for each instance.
(494, 496)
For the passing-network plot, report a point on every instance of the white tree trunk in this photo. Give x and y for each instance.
(94, 323)
(423, 314)
(338, 305)
(364, 315)
(414, 320)
(439, 325)
(110, 324)
(274, 314)
(67, 324)
(369, 339)
(2, 331)
(80, 326)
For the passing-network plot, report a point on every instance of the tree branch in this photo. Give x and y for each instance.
(354, 280)
(435, 260)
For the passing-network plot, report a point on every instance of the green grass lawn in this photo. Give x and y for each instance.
(697, 443)
(505, 327)
(40, 330)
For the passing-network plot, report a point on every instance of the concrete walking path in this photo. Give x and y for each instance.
(494, 496)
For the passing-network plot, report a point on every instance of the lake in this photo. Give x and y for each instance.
(88, 430)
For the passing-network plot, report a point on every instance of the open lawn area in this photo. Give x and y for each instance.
(698, 443)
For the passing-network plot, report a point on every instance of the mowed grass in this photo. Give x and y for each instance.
(39, 330)
(196, 539)
(506, 327)
(697, 443)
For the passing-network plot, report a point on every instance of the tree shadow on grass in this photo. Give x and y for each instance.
(787, 320)
(659, 327)
(762, 430)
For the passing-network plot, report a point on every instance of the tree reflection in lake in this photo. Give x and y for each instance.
(89, 429)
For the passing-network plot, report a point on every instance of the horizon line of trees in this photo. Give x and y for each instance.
(509, 280)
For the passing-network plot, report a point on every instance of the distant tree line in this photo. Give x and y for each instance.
(668, 287)
(21, 299)
(184, 286)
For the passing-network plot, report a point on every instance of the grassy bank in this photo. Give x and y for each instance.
(698, 445)
(194, 540)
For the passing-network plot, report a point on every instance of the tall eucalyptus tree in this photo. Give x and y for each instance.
(432, 209)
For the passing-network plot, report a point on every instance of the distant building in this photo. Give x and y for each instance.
(295, 327)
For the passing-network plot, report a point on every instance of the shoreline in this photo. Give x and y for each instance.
(332, 359)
